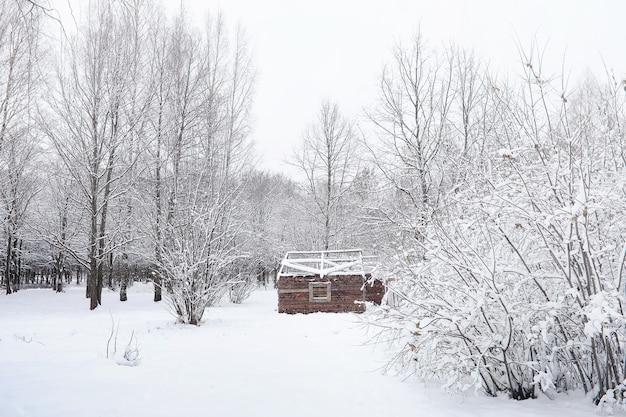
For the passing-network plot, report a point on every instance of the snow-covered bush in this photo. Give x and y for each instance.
(513, 280)
(243, 278)
(239, 290)
(194, 265)
(501, 302)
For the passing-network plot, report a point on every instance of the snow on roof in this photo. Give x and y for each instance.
(322, 263)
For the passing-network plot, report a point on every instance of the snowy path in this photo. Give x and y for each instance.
(245, 360)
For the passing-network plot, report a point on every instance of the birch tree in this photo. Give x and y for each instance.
(415, 98)
(199, 179)
(328, 161)
(90, 127)
(159, 130)
(137, 19)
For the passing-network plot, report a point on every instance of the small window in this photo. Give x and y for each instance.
(319, 292)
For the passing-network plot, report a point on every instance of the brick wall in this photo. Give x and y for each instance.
(294, 295)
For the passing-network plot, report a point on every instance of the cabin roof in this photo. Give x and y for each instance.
(322, 263)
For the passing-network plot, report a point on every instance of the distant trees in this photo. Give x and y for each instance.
(272, 224)
(19, 53)
(18, 188)
(60, 226)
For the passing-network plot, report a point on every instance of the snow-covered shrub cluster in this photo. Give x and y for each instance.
(509, 268)
(238, 291)
(243, 279)
(194, 263)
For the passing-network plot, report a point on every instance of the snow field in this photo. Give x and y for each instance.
(244, 360)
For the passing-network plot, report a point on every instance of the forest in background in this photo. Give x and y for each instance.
(495, 206)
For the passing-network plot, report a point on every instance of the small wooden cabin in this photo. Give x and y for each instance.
(325, 281)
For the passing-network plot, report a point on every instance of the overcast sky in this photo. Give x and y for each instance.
(308, 51)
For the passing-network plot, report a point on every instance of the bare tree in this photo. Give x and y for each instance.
(328, 161)
(19, 53)
(91, 126)
(201, 117)
(411, 120)
(136, 22)
(158, 129)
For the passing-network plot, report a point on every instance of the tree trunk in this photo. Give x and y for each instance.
(103, 221)
(110, 271)
(7, 267)
(55, 277)
(125, 273)
(157, 289)
(18, 263)
(92, 284)
(159, 241)
(61, 256)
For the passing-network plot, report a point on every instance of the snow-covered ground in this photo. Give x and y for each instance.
(245, 360)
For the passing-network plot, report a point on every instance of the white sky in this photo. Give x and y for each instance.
(307, 51)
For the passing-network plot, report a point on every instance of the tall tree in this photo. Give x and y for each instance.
(159, 130)
(411, 123)
(137, 21)
(91, 125)
(329, 163)
(206, 98)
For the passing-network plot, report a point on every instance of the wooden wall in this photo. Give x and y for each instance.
(293, 294)
(374, 291)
